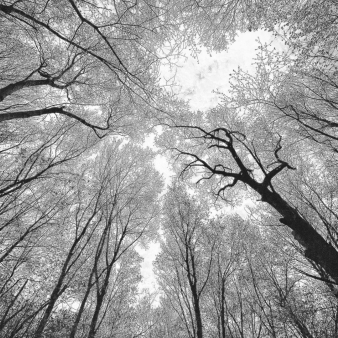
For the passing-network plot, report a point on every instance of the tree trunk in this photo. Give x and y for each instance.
(57, 292)
(222, 314)
(197, 311)
(316, 247)
(13, 87)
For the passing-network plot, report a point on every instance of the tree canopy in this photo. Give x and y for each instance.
(247, 226)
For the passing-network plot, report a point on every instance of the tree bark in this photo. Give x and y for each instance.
(316, 247)
(13, 87)
(198, 316)
(222, 312)
(47, 111)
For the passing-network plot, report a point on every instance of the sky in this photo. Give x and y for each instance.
(197, 79)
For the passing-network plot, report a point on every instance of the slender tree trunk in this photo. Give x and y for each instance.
(198, 320)
(92, 329)
(58, 290)
(222, 312)
(100, 298)
(82, 306)
(197, 310)
(301, 326)
(99, 302)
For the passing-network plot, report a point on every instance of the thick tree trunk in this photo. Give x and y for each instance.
(316, 247)
(198, 320)
(14, 87)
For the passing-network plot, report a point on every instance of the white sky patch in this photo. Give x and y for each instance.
(162, 165)
(149, 279)
(197, 79)
(160, 162)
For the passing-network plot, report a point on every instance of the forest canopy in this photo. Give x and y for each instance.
(247, 226)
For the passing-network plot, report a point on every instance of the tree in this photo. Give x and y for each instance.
(76, 76)
(109, 209)
(229, 156)
(278, 119)
(229, 232)
(92, 62)
(188, 251)
(288, 302)
(167, 322)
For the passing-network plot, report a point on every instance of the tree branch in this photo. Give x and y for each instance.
(52, 110)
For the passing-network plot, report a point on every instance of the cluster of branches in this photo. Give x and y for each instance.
(74, 71)
(74, 59)
(224, 140)
(68, 250)
(227, 280)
